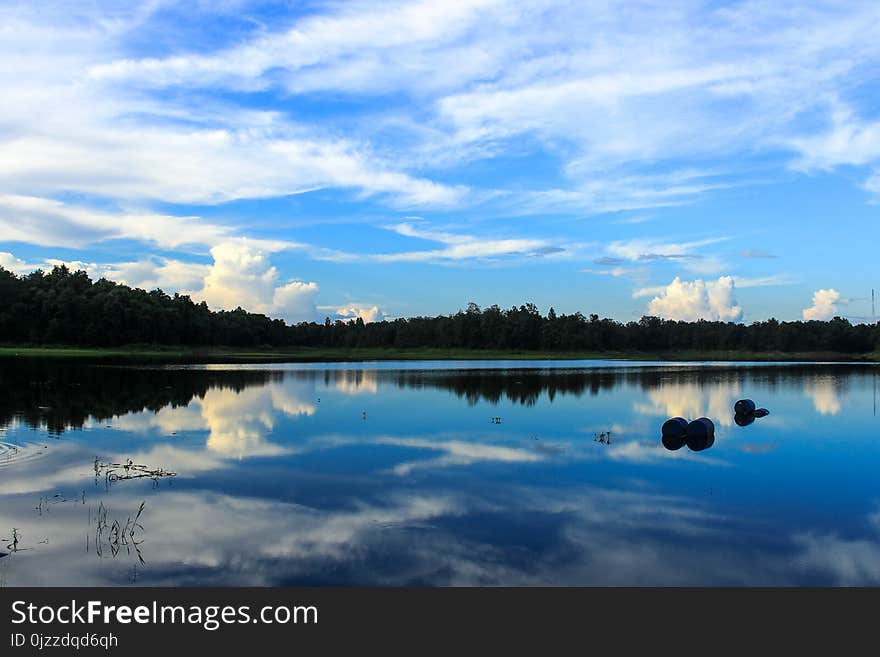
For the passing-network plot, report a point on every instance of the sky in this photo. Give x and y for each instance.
(716, 160)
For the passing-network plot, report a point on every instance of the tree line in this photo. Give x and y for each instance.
(64, 307)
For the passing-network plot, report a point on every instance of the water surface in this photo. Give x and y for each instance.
(443, 473)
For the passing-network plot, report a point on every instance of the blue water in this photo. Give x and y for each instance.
(440, 473)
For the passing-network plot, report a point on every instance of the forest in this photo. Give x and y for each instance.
(64, 307)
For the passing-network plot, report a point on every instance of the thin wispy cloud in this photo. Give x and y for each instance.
(457, 247)
(756, 253)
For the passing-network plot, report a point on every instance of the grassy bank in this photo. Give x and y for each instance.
(216, 354)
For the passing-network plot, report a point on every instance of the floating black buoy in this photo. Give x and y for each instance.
(700, 434)
(674, 432)
(744, 420)
(675, 427)
(672, 443)
(699, 444)
(745, 412)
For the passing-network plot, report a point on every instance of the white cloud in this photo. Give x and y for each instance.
(455, 247)
(824, 305)
(693, 256)
(367, 314)
(764, 281)
(208, 165)
(698, 299)
(848, 140)
(70, 129)
(361, 47)
(872, 184)
(163, 273)
(621, 95)
(650, 250)
(149, 273)
(242, 275)
(16, 265)
(47, 222)
(613, 271)
(650, 291)
(459, 247)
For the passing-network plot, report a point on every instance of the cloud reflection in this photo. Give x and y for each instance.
(430, 494)
(353, 382)
(238, 422)
(457, 452)
(825, 392)
(692, 400)
(589, 535)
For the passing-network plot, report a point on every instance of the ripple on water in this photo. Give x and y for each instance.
(14, 454)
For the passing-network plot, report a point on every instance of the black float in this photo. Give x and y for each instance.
(745, 412)
(697, 435)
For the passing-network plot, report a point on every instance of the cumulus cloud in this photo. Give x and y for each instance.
(151, 273)
(824, 305)
(16, 265)
(148, 273)
(698, 299)
(242, 275)
(367, 314)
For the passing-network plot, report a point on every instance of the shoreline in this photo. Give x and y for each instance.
(305, 354)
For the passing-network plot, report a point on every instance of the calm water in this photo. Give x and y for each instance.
(435, 474)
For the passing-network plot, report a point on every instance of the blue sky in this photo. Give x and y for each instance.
(381, 159)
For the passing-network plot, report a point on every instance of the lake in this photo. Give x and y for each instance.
(435, 474)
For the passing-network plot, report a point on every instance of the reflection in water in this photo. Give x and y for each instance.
(113, 472)
(745, 419)
(674, 433)
(690, 399)
(116, 536)
(700, 442)
(60, 396)
(457, 452)
(673, 442)
(346, 476)
(825, 391)
(353, 381)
